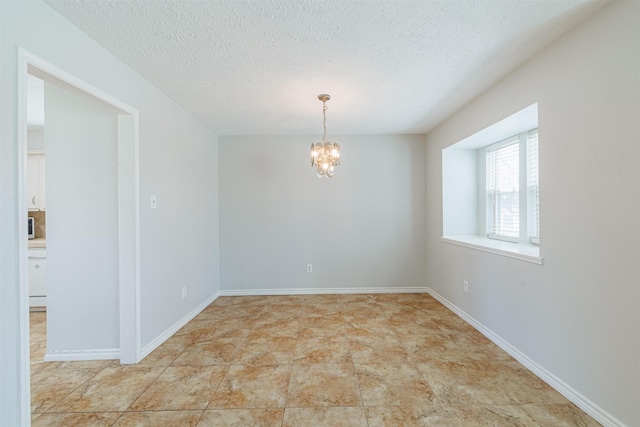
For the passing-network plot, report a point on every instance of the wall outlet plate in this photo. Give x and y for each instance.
(466, 286)
(309, 268)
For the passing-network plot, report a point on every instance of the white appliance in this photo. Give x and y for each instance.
(32, 227)
(37, 278)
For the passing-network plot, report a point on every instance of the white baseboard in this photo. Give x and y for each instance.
(597, 413)
(176, 327)
(75, 355)
(316, 291)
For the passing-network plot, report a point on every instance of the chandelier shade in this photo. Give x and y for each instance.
(325, 155)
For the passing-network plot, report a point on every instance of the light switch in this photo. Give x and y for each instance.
(154, 201)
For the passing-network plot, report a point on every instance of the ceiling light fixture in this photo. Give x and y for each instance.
(325, 156)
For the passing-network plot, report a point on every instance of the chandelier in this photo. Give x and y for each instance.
(325, 156)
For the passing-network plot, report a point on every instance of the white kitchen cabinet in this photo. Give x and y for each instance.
(36, 197)
(37, 278)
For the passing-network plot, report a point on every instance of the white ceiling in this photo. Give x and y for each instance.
(256, 67)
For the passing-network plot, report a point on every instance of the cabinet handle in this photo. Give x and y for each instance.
(33, 200)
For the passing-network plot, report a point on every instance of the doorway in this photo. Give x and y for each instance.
(123, 234)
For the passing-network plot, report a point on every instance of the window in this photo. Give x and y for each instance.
(503, 199)
(490, 191)
(505, 186)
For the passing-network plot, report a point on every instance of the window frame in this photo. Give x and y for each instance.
(534, 239)
(522, 139)
(463, 189)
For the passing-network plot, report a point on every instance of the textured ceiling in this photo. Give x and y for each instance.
(256, 67)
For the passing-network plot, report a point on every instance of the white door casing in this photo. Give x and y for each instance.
(128, 217)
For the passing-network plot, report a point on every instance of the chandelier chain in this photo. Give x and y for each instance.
(324, 121)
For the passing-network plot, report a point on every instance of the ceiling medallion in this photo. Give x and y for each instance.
(325, 156)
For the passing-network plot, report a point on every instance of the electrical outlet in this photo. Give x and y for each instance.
(466, 286)
(184, 292)
(309, 268)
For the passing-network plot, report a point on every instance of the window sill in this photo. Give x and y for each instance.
(521, 251)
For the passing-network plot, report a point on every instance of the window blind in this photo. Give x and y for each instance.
(503, 172)
(533, 192)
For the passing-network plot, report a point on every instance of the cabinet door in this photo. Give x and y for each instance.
(33, 182)
(37, 277)
(42, 205)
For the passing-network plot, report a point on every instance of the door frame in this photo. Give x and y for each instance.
(128, 218)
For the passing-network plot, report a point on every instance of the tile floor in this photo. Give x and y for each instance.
(316, 360)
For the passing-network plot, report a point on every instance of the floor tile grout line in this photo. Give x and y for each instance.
(80, 385)
(201, 416)
(286, 399)
(336, 406)
(355, 373)
(217, 387)
(147, 387)
(408, 361)
(119, 416)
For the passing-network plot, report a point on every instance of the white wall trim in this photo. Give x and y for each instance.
(521, 251)
(597, 413)
(75, 355)
(23, 259)
(128, 198)
(314, 291)
(129, 238)
(72, 80)
(176, 327)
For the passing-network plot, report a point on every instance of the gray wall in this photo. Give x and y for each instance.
(178, 162)
(35, 139)
(363, 228)
(82, 222)
(578, 315)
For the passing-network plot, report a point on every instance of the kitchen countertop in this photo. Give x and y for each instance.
(37, 243)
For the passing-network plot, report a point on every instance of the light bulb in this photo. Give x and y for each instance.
(325, 166)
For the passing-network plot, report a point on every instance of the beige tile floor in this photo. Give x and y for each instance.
(317, 360)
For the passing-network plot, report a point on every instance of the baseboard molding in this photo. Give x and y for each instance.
(597, 413)
(76, 355)
(316, 291)
(176, 327)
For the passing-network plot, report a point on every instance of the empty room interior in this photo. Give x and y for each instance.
(320, 213)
